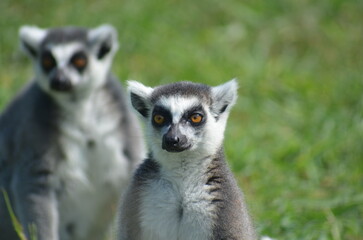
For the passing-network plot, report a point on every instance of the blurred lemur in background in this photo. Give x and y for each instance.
(68, 141)
(185, 189)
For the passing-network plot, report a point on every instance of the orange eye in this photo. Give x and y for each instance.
(158, 119)
(47, 61)
(196, 118)
(79, 62)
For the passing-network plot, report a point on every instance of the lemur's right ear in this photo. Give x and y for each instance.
(224, 97)
(30, 38)
(103, 40)
(140, 97)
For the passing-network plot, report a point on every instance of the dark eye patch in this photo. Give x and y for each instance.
(161, 111)
(79, 61)
(193, 113)
(47, 61)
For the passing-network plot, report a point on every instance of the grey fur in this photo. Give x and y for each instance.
(31, 154)
(214, 189)
(182, 89)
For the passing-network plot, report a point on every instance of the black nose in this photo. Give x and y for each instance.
(60, 83)
(171, 140)
(174, 141)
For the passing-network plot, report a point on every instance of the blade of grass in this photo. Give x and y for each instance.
(17, 226)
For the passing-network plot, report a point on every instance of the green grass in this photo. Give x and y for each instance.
(15, 222)
(295, 136)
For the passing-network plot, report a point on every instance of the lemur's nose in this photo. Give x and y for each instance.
(60, 82)
(174, 140)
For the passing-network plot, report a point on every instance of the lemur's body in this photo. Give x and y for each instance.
(184, 190)
(68, 141)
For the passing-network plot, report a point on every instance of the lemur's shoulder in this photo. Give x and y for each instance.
(149, 169)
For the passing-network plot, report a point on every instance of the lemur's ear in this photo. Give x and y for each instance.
(30, 39)
(140, 97)
(103, 40)
(224, 97)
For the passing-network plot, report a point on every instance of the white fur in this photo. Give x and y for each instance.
(32, 36)
(182, 182)
(101, 169)
(139, 89)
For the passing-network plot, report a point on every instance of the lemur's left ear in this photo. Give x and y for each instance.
(140, 97)
(30, 39)
(103, 40)
(224, 97)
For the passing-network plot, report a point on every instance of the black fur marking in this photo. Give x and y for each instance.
(127, 153)
(180, 212)
(223, 109)
(30, 49)
(214, 190)
(70, 228)
(77, 57)
(217, 200)
(91, 143)
(214, 180)
(139, 105)
(159, 110)
(104, 49)
(149, 169)
(47, 61)
(199, 110)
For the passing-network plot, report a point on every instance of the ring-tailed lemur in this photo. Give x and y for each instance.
(185, 189)
(68, 141)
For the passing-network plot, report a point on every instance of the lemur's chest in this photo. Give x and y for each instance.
(177, 208)
(91, 173)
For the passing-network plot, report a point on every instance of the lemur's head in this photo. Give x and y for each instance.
(184, 116)
(71, 58)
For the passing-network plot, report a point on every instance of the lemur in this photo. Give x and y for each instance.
(184, 190)
(69, 141)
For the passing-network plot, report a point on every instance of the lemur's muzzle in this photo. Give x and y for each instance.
(60, 82)
(174, 140)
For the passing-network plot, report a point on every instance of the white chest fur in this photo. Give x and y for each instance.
(177, 206)
(92, 171)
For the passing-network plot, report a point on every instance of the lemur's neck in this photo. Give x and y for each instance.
(187, 164)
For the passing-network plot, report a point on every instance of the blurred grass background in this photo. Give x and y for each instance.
(295, 137)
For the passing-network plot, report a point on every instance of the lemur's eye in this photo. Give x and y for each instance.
(47, 61)
(159, 119)
(196, 118)
(79, 61)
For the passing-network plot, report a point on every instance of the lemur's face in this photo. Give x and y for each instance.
(178, 123)
(70, 59)
(184, 116)
(63, 67)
